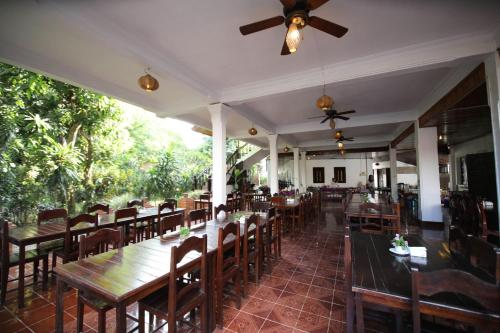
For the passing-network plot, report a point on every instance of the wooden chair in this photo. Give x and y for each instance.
(165, 205)
(227, 267)
(99, 209)
(130, 216)
(272, 238)
(462, 283)
(371, 218)
(207, 197)
(392, 223)
(222, 207)
(251, 253)
(230, 202)
(173, 302)
(170, 223)
(58, 215)
(71, 244)
(8, 260)
(485, 256)
(261, 206)
(96, 243)
(197, 216)
(173, 202)
(135, 203)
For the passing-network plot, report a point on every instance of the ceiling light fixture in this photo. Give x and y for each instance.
(286, 149)
(342, 152)
(338, 134)
(148, 82)
(252, 131)
(340, 145)
(294, 34)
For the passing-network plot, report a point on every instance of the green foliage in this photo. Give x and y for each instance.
(163, 178)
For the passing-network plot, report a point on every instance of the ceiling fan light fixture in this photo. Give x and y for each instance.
(324, 103)
(332, 123)
(294, 34)
(342, 152)
(340, 145)
(338, 134)
(148, 82)
(252, 131)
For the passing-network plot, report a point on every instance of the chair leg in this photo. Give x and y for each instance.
(54, 259)
(45, 272)
(4, 277)
(204, 317)
(218, 306)
(101, 322)
(36, 264)
(237, 287)
(245, 277)
(141, 319)
(79, 315)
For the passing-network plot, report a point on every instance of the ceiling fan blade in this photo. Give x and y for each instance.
(261, 25)
(288, 3)
(324, 120)
(346, 112)
(313, 4)
(316, 117)
(284, 49)
(349, 139)
(327, 26)
(342, 117)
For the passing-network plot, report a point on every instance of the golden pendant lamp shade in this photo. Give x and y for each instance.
(252, 131)
(324, 103)
(338, 134)
(148, 82)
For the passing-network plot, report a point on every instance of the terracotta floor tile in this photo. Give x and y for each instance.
(228, 315)
(275, 282)
(323, 294)
(284, 315)
(317, 307)
(297, 288)
(302, 277)
(338, 312)
(246, 323)
(291, 300)
(323, 282)
(268, 293)
(258, 307)
(312, 323)
(274, 327)
(12, 325)
(336, 327)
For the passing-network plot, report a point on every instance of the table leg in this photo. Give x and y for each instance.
(210, 293)
(349, 311)
(121, 318)
(20, 291)
(60, 286)
(360, 324)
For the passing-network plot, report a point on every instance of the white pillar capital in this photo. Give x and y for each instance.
(273, 158)
(218, 115)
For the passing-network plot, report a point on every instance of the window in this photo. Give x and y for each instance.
(318, 175)
(339, 174)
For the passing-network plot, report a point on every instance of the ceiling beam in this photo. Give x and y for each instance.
(471, 82)
(413, 58)
(409, 130)
(355, 121)
(366, 141)
(348, 150)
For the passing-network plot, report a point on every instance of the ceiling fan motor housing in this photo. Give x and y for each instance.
(299, 10)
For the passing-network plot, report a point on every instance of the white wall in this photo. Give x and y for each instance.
(407, 173)
(353, 169)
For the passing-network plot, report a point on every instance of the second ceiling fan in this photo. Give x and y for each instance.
(296, 17)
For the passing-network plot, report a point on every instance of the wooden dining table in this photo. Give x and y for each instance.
(380, 277)
(34, 234)
(124, 276)
(353, 208)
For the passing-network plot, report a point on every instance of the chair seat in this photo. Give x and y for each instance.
(51, 245)
(96, 303)
(29, 256)
(73, 254)
(158, 301)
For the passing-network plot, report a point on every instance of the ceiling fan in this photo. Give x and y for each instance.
(296, 17)
(339, 136)
(333, 114)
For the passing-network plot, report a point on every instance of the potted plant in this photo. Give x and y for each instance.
(399, 243)
(184, 233)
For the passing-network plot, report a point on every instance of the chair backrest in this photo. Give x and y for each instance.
(178, 292)
(98, 209)
(251, 229)
(165, 205)
(4, 246)
(228, 254)
(205, 197)
(170, 223)
(173, 202)
(135, 203)
(370, 206)
(222, 207)
(452, 281)
(277, 200)
(49, 215)
(126, 214)
(396, 209)
(197, 216)
(70, 241)
(100, 241)
(484, 256)
(260, 206)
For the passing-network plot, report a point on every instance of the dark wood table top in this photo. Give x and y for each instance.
(32, 234)
(124, 274)
(353, 207)
(377, 271)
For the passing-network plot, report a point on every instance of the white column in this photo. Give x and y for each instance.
(273, 157)
(429, 197)
(218, 115)
(393, 164)
(492, 68)
(303, 180)
(296, 172)
(453, 169)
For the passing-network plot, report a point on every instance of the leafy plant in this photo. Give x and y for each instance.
(399, 241)
(184, 232)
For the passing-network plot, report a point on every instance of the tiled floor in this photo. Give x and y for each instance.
(303, 293)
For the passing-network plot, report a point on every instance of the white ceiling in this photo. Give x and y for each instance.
(395, 55)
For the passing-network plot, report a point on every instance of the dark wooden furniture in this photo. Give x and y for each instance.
(170, 223)
(392, 223)
(70, 250)
(99, 209)
(96, 243)
(260, 206)
(197, 216)
(131, 230)
(371, 218)
(173, 202)
(173, 302)
(251, 251)
(8, 260)
(227, 267)
(161, 208)
(222, 207)
(485, 318)
(45, 232)
(272, 238)
(51, 216)
(379, 277)
(349, 297)
(135, 203)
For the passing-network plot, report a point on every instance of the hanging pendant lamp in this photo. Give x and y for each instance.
(148, 82)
